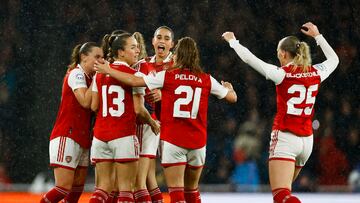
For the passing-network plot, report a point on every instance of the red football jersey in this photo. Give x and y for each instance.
(157, 67)
(146, 68)
(185, 105)
(73, 120)
(295, 100)
(116, 116)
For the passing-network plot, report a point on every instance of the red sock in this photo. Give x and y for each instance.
(116, 197)
(177, 194)
(125, 197)
(54, 195)
(142, 196)
(156, 196)
(99, 196)
(111, 197)
(283, 195)
(74, 195)
(192, 196)
(293, 199)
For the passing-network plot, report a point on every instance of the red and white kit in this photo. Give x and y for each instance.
(149, 142)
(184, 123)
(292, 136)
(70, 138)
(114, 130)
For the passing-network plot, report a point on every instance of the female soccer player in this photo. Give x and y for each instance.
(146, 184)
(297, 84)
(70, 138)
(115, 145)
(185, 91)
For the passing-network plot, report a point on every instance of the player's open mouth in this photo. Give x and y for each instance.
(161, 48)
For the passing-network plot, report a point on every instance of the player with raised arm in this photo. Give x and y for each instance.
(70, 138)
(297, 84)
(185, 91)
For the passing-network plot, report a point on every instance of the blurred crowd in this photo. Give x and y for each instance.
(36, 39)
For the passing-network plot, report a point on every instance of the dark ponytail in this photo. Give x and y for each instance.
(112, 43)
(77, 51)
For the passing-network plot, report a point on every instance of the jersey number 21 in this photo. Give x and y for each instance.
(191, 95)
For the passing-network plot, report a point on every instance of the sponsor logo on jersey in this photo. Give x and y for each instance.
(187, 77)
(302, 75)
(80, 76)
(68, 159)
(320, 67)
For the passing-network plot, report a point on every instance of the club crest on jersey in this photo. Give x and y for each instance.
(79, 76)
(187, 77)
(68, 159)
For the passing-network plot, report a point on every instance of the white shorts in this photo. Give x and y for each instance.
(66, 153)
(289, 147)
(123, 149)
(149, 142)
(172, 155)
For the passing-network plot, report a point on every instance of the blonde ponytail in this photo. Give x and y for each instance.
(299, 51)
(302, 58)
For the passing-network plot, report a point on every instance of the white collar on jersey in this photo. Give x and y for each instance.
(137, 64)
(166, 60)
(121, 63)
(290, 63)
(81, 68)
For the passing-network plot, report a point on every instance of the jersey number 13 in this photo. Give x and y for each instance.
(118, 101)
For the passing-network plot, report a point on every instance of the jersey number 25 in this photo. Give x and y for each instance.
(305, 94)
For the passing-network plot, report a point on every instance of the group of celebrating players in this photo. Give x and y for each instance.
(133, 94)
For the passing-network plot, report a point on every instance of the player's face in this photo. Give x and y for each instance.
(96, 54)
(162, 42)
(280, 52)
(131, 51)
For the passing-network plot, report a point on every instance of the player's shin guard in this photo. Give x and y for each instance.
(54, 195)
(74, 195)
(142, 196)
(192, 196)
(125, 197)
(156, 196)
(177, 194)
(283, 195)
(99, 196)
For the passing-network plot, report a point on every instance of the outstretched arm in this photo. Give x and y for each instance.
(223, 91)
(332, 60)
(231, 95)
(270, 71)
(126, 78)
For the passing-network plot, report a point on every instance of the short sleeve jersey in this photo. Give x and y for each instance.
(152, 66)
(73, 120)
(185, 104)
(146, 68)
(295, 100)
(115, 117)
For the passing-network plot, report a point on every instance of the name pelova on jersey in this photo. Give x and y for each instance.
(187, 77)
